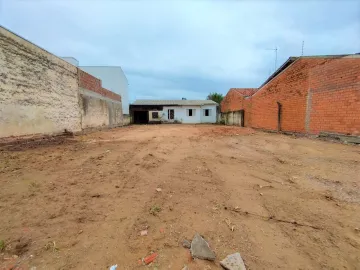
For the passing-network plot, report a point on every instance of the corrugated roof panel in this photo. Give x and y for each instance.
(174, 102)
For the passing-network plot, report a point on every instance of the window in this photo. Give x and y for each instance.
(171, 114)
(207, 112)
(155, 115)
(190, 112)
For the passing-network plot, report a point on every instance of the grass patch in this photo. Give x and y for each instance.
(2, 245)
(155, 209)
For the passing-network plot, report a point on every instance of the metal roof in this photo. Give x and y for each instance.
(173, 102)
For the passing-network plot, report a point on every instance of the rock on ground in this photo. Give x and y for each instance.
(186, 244)
(200, 249)
(233, 262)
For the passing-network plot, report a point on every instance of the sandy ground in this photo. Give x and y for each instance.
(81, 203)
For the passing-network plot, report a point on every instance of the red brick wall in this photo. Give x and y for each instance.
(335, 101)
(91, 83)
(235, 100)
(290, 88)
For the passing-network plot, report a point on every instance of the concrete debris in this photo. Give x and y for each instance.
(186, 244)
(233, 262)
(158, 189)
(200, 249)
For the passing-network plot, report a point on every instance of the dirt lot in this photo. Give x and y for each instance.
(81, 203)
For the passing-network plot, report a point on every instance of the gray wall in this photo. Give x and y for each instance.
(38, 91)
(99, 111)
(40, 94)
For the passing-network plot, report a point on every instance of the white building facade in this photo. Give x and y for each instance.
(178, 111)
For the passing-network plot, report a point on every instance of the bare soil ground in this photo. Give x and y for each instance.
(81, 202)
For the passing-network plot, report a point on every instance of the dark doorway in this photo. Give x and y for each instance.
(141, 117)
(242, 117)
(279, 115)
(171, 114)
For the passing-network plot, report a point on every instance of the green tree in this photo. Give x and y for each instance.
(217, 97)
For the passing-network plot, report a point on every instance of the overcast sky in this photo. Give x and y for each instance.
(174, 49)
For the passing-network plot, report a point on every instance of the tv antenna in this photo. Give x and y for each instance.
(302, 49)
(275, 50)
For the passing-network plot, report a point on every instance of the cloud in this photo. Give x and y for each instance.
(169, 49)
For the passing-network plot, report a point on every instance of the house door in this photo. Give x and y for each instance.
(171, 114)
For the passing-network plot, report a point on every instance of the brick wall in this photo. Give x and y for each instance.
(290, 89)
(316, 94)
(237, 99)
(92, 83)
(335, 97)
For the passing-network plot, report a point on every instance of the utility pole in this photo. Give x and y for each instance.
(275, 50)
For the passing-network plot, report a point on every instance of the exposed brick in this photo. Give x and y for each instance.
(332, 83)
(92, 83)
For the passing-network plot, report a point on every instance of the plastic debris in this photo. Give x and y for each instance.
(158, 189)
(113, 267)
(143, 232)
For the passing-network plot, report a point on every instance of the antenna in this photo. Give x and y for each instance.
(275, 50)
(302, 49)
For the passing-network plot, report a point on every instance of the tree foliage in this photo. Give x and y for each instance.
(217, 97)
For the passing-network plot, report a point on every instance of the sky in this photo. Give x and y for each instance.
(174, 49)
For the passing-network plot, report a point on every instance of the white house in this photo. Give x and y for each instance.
(181, 111)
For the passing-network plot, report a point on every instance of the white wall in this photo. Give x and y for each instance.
(198, 117)
(113, 79)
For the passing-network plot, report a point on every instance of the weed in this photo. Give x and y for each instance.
(2, 245)
(155, 209)
(34, 185)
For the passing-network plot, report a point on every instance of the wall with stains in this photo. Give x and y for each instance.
(99, 111)
(38, 91)
(99, 106)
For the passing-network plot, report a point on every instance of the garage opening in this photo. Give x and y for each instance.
(141, 117)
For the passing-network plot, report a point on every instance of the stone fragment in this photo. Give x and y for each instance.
(200, 249)
(233, 262)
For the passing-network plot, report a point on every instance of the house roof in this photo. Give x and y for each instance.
(173, 102)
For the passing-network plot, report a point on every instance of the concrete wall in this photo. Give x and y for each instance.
(99, 106)
(114, 79)
(38, 91)
(181, 114)
(232, 118)
(99, 111)
(41, 93)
